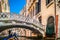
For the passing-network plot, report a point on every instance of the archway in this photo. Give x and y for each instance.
(50, 30)
(2, 28)
(19, 26)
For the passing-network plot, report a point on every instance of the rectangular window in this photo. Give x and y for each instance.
(40, 19)
(48, 1)
(33, 12)
(38, 6)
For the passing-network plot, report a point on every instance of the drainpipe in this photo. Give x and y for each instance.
(55, 17)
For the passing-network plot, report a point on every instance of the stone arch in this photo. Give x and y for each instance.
(2, 28)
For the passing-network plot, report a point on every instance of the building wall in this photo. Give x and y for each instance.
(5, 6)
(23, 11)
(31, 4)
(46, 11)
(28, 33)
(31, 7)
(58, 19)
(29, 12)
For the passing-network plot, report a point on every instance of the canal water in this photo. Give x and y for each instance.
(24, 38)
(21, 38)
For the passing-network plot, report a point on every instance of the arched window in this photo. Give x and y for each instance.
(50, 26)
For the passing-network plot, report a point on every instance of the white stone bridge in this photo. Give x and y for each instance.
(20, 22)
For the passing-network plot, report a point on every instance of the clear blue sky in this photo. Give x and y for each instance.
(16, 5)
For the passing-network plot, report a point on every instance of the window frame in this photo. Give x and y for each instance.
(38, 7)
(48, 1)
(48, 4)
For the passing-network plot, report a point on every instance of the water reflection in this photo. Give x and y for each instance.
(24, 38)
(20, 38)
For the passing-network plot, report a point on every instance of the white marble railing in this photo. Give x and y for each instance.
(27, 19)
